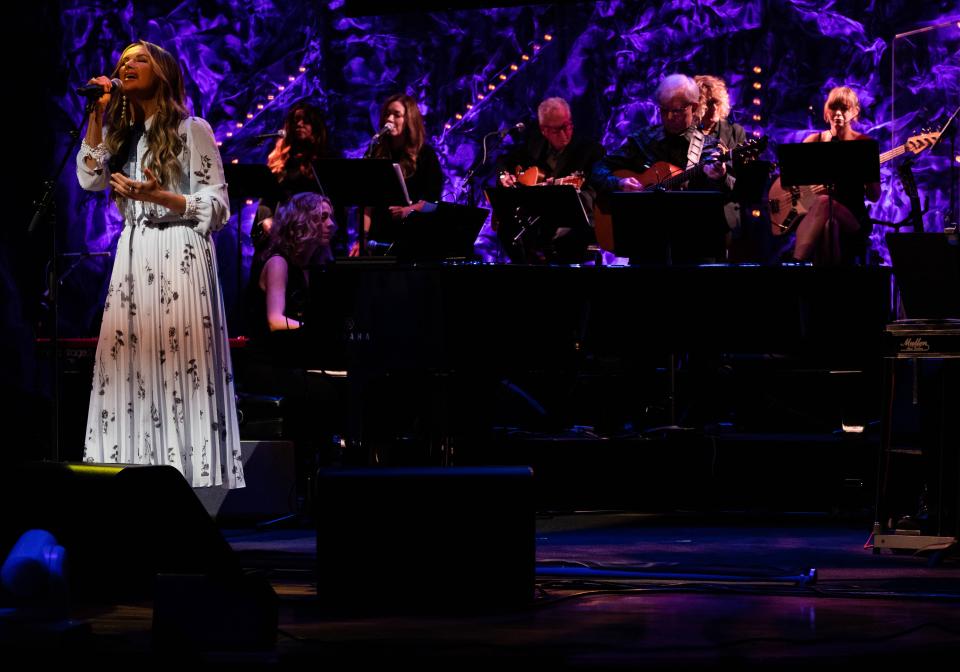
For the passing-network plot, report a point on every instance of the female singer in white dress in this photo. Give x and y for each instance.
(162, 384)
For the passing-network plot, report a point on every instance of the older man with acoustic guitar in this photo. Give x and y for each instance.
(673, 155)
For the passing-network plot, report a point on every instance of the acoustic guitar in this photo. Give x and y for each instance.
(668, 177)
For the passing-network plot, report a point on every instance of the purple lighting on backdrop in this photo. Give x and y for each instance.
(257, 58)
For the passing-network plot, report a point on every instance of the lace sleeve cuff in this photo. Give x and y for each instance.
(193, 206)
(98, 153)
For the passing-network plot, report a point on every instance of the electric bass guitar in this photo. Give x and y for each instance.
(788, 206)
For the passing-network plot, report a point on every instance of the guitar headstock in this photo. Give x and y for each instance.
(750, 150)
(922, 141)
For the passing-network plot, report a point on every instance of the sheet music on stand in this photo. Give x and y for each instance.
(398, 171)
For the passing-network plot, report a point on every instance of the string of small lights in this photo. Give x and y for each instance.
(231, 129)
(496, 82)
(756, 115)
(757, 102)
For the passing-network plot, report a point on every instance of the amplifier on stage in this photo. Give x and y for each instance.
(918, 494)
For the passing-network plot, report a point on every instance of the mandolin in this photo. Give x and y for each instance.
(532, 177)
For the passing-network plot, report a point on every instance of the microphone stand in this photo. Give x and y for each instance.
(467, 183)
(361, 234)
(954, 170)
(46, 213)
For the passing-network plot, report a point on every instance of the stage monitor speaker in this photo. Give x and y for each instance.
(121, 525)
(409, 540)
(270, 474)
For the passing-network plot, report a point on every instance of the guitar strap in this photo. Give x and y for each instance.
(695, 149)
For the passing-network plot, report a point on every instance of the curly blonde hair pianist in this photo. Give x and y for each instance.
(297, 222)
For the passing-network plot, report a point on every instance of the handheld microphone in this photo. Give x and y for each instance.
(94, 91)
(275, 134)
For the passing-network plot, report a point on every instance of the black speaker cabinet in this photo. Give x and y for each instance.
(121, 525)
(270, 473)
(425, 539)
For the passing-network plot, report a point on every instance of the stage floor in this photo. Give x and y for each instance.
(728, 588)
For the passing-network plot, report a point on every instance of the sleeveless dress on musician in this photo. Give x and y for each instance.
(163, 383)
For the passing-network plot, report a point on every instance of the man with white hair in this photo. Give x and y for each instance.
(557, 152)
(677, 140)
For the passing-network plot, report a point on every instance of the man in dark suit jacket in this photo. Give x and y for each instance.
(557, 152)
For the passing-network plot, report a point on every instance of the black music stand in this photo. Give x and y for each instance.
(531, 219)
(927, 269)
(252, 180)
(362, 182)
(668, 227)
(829, 163)
(446, 232)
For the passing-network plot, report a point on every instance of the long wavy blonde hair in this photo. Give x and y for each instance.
(164, 143)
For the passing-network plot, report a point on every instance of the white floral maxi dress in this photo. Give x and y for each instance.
(162, 383)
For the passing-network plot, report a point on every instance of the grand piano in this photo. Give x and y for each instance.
(453, 331)
(377, 316)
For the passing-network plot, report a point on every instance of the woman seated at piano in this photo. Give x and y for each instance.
(275, 362)
(279, 281)
(405, 143)
(843, 237)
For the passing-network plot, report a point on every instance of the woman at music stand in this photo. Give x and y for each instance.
(404, 141)
(836, 227)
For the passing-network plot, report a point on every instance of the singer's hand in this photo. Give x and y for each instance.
(148, 190)
(401, 212)
(107, 85)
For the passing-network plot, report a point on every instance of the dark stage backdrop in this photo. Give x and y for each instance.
(479, 70)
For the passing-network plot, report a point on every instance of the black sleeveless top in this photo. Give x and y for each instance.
(297, 297)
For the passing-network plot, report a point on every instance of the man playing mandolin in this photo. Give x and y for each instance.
(556, 155)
